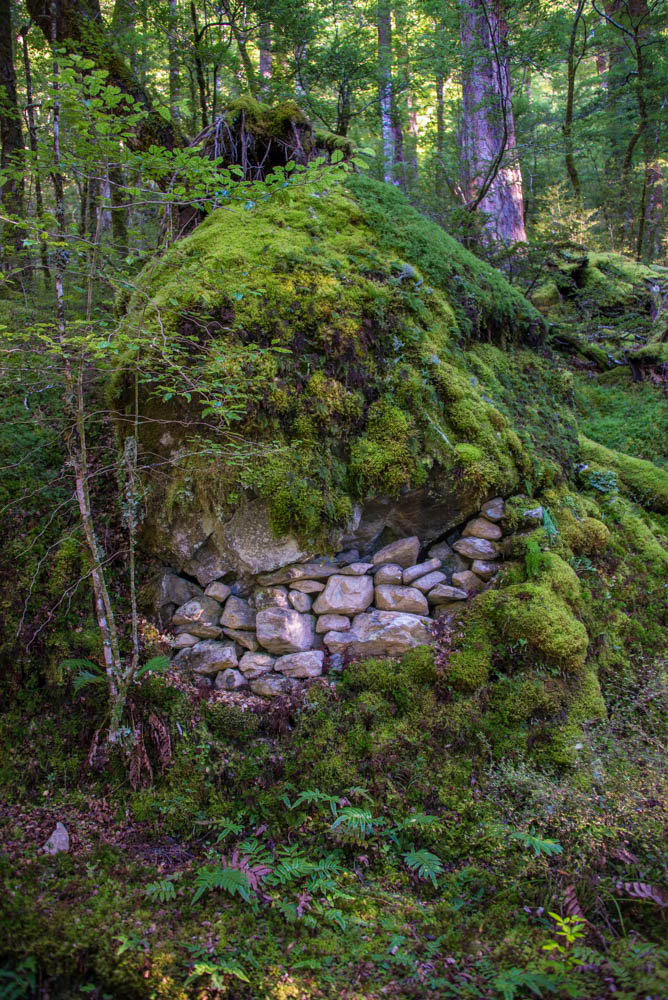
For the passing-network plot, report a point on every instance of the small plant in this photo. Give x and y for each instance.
(15, 984)
(550, 526)
(162, 891)
(569, 930)
(604, 482)
(533, 559)
(538, 845)
(425, 864)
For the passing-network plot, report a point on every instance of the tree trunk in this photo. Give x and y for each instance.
(384, 18)
(490, 171)
(32, 135)
(572, 64)
(173, 48)
(411, 144)
(265, 57)
(11, 137)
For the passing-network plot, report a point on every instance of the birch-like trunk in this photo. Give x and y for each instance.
(384, 19)
(490, 170)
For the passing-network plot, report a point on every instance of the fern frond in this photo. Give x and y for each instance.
(355, 821)
(230, 880)
(424, 864)
(156, 665)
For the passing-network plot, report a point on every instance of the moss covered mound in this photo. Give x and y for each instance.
(365, 352)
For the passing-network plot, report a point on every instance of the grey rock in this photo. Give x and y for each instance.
(219, 591)
(415, 572)
(308, 664)
(198, 611)
(443, 593)
(237, 614)
(388, 573)
(173, 589)
(58, 842)
(485, 570)
(184, 640)
(440, 551)
(208, 563)
(245, 639)
(347, 557)
(229, 680)
(301, 571)
(380, 633)
(480, 527)
(449, 610)
(251, 544)
(272, 685)
(331, 623)
(335, 663)
(270, 597)
(207, 657)
(308, 586)
(283, 631)
(356, 569)
(493, 509)
(404, 552)
(408, 599)
(299, 601)
(254, 665)
(533, 515)
(468, 581)
(345, 595)
(425, 583)
(476, 548)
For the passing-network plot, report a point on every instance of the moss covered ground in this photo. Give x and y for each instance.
(405, 829)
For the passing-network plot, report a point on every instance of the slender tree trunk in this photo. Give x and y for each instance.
(265, 57)
(173, 49)
(32, 136)
(490, 171)
(11, 138)
(411, 143)
(567, 128)
(199, 67)
(384, 18)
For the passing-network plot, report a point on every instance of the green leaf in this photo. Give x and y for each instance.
(156, 665)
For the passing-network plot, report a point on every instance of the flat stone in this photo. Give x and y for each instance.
(356, 569)
(254, 665)
(480, 527)
(444, 593)
(404, 552)
(389, 573)
(58, 842)
(173, 589)
(345, 595)
(272, 685)
(198, 613)
(308, 586)
(484, 569)
(219, 591)
(308, 664)
(332, 623)
(285, 631)
(250, 542)
(347, 557)
(426, 583)
(207, 657)
(493, 509)
(380, 633)
(300, 571)
(237, 614)
(415, 572)
(270, 597)
(300, 602)
(229, 680)
(245, 639)
(476, 548)
(183, 640)
(468, 581)
(408, 599)
(439, 551)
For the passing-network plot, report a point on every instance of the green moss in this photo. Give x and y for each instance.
(640, 479)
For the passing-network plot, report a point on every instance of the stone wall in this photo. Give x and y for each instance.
(289, 625)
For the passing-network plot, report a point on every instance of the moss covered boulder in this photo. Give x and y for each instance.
(337, 360)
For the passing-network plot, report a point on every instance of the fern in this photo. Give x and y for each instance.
(162, 891)
(515, 982)
(89, 673)
(217, 971)
(231, 880)
(424, 864)
(312, 796)
(15, 984)
(290, 870)
(550, 526)
(156, 665)
(537, 844)
(355, 821)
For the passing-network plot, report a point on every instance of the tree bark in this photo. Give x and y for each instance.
(384, 25)
(173, 49)
(572, 64)
(11, 137)
(490, 172)
(265, 57)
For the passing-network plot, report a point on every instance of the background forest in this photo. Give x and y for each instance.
(316, 255)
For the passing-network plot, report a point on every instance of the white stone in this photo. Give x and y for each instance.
(270, 597)
(200, 613)
(425, 583)
(443, 593)
(59, 841)
(308, 664)
(247, 640)
(332, 623)
(237, 614)
(404, 552)
(388, 573)
(300, 602)
(183, 640)
(408, 599)
(282, 631)
(301, 571)
(415, 572)
(484, 569)
(381, 633)
(476, 548)
(480, 527)
(345, 595)
(229, 680)
(254, 665)
(493, 509)
(219, 591)
(308, 586)
(207, 657)
(356, 569)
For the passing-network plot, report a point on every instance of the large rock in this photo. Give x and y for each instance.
(468, 581)
(493, 510)
(299, 601)
(237, 614)
(476, 548)
(404, 552)
(272, 685)
(443, 593)
(245, 639)
(426, 583)
(302, 571)
(219, 591)
(254, 665)
(388, 573)
(409, 599)
(173, 589)
(480, 527)
(285, 631)
(208, 563)
(207, 657)
(230, 680)
(58, 842)
(270, 597)
(381, 633)
(200, 616)
(415, 572)
(345, 595)
(332, 623)
(251, 544)
(300, 665)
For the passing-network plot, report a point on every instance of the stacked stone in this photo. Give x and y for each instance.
(279, 633)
